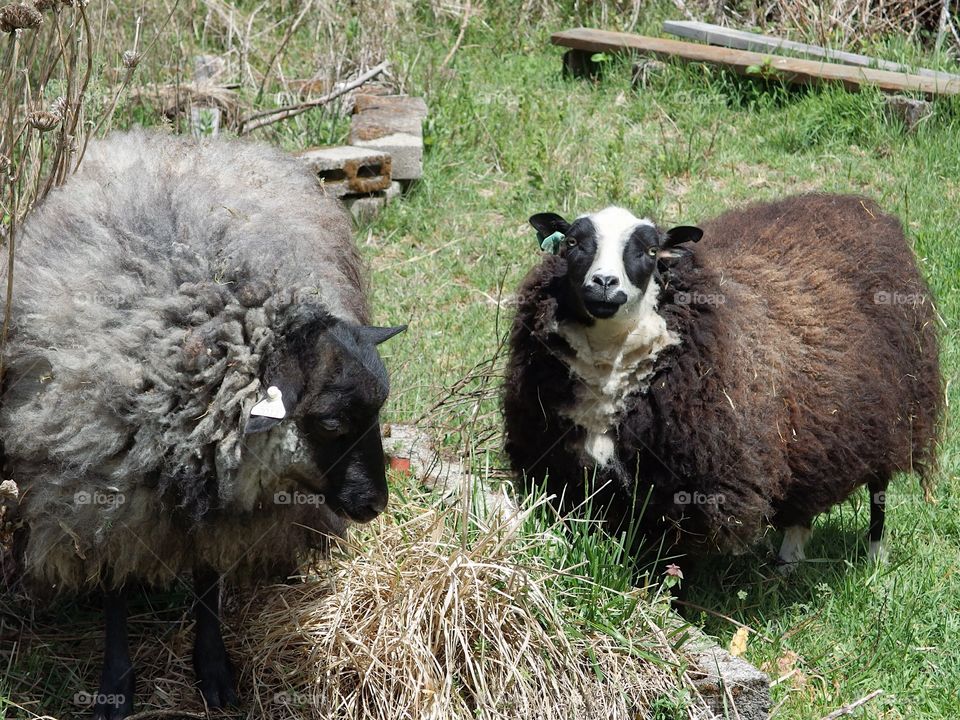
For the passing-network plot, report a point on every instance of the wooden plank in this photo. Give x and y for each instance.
(742, 40)
(793, 70)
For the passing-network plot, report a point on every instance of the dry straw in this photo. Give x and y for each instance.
(415, 624)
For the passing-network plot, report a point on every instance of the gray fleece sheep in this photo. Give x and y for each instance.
(159, 295)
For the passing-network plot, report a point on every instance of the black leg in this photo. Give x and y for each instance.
(210, 661)
(878, 511)
(115, 696)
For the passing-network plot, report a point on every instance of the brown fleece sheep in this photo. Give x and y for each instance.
(757, 380)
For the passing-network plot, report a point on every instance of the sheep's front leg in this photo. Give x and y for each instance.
(114, 699)
(210, 662)
(792, 550)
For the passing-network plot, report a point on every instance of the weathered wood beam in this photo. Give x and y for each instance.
(742, 40)
(792, 70)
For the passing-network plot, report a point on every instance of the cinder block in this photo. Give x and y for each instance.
(365, 208)
(406, 153)
(394, 124)
(348, 169)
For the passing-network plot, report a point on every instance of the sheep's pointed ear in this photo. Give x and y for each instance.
(276, 404)
(259, 424)
(670, 245)
(546, 224)
(377, 335)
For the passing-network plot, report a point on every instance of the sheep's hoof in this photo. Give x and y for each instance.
(786, 567)
(115, 696)
(878, 554)
(215, 677)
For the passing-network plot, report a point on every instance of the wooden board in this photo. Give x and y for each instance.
(741, 40)
(793, 70)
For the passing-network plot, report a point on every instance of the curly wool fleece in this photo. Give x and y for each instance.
(148, 290)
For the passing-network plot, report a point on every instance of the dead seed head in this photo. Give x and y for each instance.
(131, 58)
(43, 121)
(59, 106)
(19, 17)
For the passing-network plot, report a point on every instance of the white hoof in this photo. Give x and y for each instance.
(792, 549)
(877, 554)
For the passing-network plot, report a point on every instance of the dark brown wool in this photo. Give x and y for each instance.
(815, 374)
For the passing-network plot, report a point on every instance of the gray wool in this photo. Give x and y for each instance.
(147, 291)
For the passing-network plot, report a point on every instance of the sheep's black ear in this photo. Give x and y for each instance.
(670, 244)
(377, 335)
(546, 224)
(681, 234)
(259, 424)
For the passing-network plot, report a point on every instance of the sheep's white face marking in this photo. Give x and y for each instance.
(611, 258)
(614, 227)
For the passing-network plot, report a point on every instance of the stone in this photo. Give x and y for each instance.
(643, 71)
(365, 208)
(208, 68)
(350, 170)
(910, 111)
(394, 124)
(724, 681)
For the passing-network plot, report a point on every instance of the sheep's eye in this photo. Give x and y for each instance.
(652, 251)
(330, 425)
(571, 242)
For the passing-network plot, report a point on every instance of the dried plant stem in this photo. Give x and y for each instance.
(459, 40)
(107, 118)
(281, 47)
(269, 117)
(14, 209)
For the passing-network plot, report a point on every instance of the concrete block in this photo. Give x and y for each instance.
(406, 153)
(394, 124)
(205, 120)
(350, 170)
(365, 208)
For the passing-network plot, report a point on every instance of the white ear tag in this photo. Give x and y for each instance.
(272, 406)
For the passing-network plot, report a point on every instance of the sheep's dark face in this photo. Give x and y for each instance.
(611, 256)
(333, 384)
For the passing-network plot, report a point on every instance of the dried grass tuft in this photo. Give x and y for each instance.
(418, 624)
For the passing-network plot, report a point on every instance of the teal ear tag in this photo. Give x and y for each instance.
(551, 243)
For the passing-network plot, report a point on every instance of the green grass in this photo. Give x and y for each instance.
(513, 137)
(509, 136)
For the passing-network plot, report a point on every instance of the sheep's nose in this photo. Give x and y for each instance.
(606, 281)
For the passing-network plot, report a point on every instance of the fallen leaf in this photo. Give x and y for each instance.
(738, 644)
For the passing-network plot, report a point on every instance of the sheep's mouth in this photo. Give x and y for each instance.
(603, 309)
